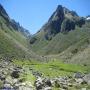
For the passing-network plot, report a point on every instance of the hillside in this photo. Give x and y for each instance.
(13, 38)
(63, 45)
(65, 35)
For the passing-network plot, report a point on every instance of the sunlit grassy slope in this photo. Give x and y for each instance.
(12, 42)
(61, 41)
(72, 47)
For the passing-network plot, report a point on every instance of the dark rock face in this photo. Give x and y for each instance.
(56, 20)
(54, 23)
(80, 22)
(67, 26)
(61, 21)
(53, 26)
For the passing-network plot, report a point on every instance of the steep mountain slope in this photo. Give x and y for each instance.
(73, 47)
(79, 52)
(61, 21)
(65, 36)
(13, 38)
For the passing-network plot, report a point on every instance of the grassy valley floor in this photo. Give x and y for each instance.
(36, 75)
(52, 75)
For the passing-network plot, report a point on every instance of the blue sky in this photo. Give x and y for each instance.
(32, 14)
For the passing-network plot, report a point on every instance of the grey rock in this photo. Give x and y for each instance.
(2, 77)
(78, 75)
(47, 82)
(39, 84)
(15, 74)
(24, 88)
(65, 87)
(7, 87)
(47, 88)
(79, 80)
(87, 78)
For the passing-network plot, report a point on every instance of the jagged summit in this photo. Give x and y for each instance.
(59, 7)
(57, 14)
(54, 36)
(62, 20)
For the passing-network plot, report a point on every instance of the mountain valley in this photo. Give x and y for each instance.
(57, 57)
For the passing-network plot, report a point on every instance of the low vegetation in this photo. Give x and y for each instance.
(52, 68)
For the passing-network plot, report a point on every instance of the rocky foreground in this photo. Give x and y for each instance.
(10, 79)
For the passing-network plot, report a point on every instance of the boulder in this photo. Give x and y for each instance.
(39, 84)
(65, 87)
(10, 80)
(78, 75)
(79, 80)
(48, 82)
(7, 87)
(24, 88)
(86, 78)
(36, 73)
(47, 88)
(57, 84)
(2, 77)
(15, 74)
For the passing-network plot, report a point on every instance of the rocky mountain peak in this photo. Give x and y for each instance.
(58, 14)
(62, 20)
(59, 8)
(62, 12)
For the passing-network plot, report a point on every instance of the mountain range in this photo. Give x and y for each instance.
(65, 36)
